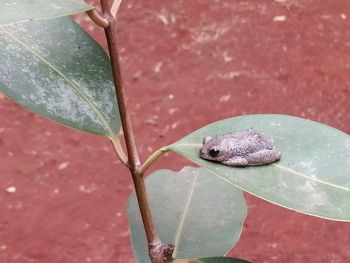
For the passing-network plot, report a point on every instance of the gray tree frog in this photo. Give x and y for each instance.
(241, 148)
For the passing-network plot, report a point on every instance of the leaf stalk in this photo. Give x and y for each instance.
(118, 148)
(97, 18)
(115, 7)
(151, 159)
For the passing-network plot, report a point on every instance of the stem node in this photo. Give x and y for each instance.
(160, 253)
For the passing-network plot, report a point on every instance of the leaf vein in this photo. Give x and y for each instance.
(282, 167)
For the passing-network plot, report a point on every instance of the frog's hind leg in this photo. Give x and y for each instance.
(236, 161)
(263, 157)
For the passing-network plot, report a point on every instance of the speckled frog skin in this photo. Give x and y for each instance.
(242, 148)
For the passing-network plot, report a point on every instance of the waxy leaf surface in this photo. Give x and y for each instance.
(199, 213)
(55, 69)
(312, 177)
(212, 260)
(13, 11)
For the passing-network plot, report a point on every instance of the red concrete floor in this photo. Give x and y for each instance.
(186, 64)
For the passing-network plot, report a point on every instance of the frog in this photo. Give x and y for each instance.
(239, 149)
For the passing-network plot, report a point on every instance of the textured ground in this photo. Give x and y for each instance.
(186, 64)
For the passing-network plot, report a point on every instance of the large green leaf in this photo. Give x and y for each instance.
(199, 213)
(13, 11)
(57, 70)
(312, 177)
(211, 260)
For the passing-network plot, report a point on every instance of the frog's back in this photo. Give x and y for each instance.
(245, 142)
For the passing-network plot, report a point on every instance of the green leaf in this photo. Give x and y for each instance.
(13, 11)
(55, 69)
(199, 213)
(211, 260)
(312, 177)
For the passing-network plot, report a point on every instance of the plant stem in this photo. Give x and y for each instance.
(110, 32)
(158, 252)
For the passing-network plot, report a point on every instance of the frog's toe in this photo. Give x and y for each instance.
(237, 161)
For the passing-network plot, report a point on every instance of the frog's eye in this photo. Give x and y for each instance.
(214, 152)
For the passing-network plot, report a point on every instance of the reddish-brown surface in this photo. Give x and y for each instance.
(186, 64)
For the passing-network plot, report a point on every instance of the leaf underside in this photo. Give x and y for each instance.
(312, 177)
(199, 213)
(212, 260)
(14, 11)
(55, 69)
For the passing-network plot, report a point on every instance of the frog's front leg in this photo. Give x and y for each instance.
(263, 157)
(236, 161)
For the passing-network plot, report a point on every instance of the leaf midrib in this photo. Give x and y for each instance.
(183, 216)
(74, 86)
(279, 166)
